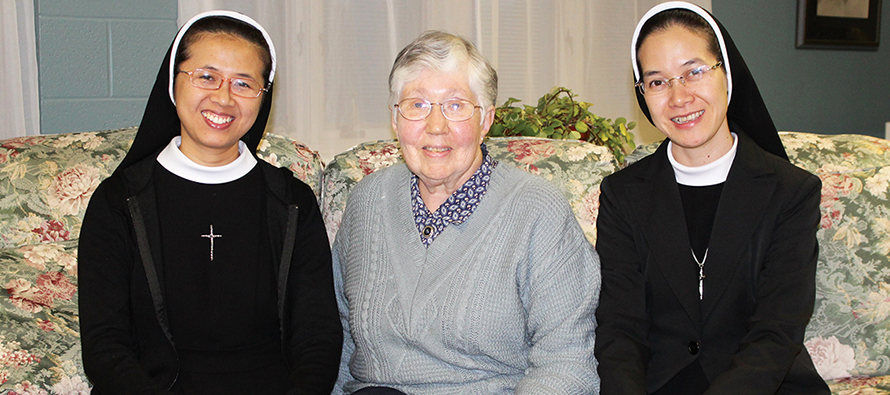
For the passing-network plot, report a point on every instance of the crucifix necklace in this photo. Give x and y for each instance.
(701, 270)
(212, 236)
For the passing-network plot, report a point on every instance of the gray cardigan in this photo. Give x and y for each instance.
(500, 304)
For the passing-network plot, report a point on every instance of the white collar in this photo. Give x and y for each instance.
(710, 174)
(177, 163)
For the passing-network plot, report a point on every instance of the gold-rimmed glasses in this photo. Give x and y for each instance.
(652, 86)
(211, 80)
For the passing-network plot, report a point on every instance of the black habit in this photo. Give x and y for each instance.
(158, 316)
(745, 333)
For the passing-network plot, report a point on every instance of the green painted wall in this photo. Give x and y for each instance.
(818, 91)
(98, 59)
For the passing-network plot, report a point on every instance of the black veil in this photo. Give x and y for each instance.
(747, 112)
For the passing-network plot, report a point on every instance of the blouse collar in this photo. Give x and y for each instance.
(458, 207)
(710, 174)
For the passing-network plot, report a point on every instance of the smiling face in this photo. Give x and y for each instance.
(443, 154)
(212, 121)
(693, 118)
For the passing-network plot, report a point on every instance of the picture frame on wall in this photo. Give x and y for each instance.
(839, 24)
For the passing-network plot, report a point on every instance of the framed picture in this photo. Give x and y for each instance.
(839, 24)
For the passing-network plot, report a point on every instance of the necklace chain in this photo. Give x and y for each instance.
(701, 270)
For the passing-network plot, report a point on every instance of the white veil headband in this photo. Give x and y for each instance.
(231, 14)
(701, 12)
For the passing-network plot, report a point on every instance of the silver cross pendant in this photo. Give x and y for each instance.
(211, 236)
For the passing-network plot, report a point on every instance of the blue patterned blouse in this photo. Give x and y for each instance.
(459, 205)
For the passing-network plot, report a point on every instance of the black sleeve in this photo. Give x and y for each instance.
(315, 337)
(786, 294)
(621, 349)
(105, 265)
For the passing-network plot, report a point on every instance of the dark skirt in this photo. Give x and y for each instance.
(266, 380)
(689, 381)
(255, 370)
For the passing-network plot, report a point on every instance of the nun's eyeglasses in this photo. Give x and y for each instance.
(455, 110)
(211, 80)
(657, 86)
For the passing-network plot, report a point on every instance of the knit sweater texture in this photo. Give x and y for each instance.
(500, 304)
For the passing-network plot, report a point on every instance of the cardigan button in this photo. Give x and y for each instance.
(427, 231)
(693, 347)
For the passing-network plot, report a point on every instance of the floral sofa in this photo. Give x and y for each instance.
(46, 182)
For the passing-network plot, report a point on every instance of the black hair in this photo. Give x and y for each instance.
(679, 17)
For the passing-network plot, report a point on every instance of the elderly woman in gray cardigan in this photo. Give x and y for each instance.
(456, 274)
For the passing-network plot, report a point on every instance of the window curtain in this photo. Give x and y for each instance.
(331, 89)
(19, 101)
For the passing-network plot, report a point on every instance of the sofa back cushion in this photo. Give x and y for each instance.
(849, 333)
(575, 167)
(46, 181)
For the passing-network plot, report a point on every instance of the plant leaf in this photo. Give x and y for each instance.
(581, 127)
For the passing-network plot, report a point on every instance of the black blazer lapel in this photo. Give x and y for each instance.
(663, 225)
(744, 199)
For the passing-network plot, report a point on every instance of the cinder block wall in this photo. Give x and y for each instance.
(98, 59)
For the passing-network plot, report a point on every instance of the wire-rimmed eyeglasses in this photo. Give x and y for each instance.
(656, 86)
(211, 80)
(455, 110)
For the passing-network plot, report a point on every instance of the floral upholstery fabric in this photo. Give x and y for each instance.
(46, 182)
(849, 334)
(45, 185)
(39, 331)
(575, 167)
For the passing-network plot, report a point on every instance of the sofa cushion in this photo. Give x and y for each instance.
(849, 334)
(39, 329)
(860, 386)
(282, 151)
(46, 181)
(575, 167)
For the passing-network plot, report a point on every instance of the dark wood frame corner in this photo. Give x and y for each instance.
(826, 32)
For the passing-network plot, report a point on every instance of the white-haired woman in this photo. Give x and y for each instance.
(456, 274)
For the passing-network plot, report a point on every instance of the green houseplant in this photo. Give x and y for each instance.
(559, 116)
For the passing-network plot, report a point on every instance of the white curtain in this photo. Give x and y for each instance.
(334, 56)
(19, 101)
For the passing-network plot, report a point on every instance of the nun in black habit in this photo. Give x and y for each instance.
(708, 246)
(203, 270)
